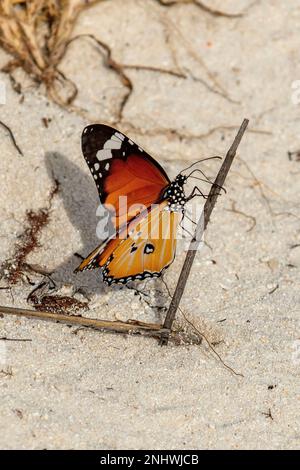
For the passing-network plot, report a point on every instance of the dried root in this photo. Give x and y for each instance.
(35, 33)
(29, 240)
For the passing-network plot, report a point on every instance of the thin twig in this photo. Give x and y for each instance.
(201, 5)
(202, 224)
(203, 336)
(237, 211)
(4, 338)
(12, 137)
(134, 327)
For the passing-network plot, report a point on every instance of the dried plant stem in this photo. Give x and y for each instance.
(12, 137)
(202, 224)
(149, 329)
(201, 5)
(35, 33)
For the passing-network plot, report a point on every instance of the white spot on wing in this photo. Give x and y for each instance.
(119, 135)
(112, 144)
(107, 166)
(97, 166)
(104, 154)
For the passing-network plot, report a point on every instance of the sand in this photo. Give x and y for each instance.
(84, 389)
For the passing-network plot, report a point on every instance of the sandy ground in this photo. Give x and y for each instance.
(105, 391)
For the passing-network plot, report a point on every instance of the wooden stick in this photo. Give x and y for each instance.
(150, 329)
(201, 226)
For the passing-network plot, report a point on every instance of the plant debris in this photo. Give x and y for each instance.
(120, 68)
(35, 222)
(4, 338)
(239, 212)
(201, 5)
(41, 299)
(35, 33)
(12, 137)
(7, 372)
(18, 413)
(294, 156)
(57, 304)
(268, 414)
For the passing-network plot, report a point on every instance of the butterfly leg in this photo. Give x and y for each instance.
(194, 193)
(181, 223)
(185, 215)
(144, 296)
(136, 290)
(78, 255)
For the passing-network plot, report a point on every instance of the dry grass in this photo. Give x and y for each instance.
(36, 33)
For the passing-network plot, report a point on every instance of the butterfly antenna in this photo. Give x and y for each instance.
(206, 180)
(199, 161)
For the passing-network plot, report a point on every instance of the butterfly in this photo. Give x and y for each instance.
(144, 242)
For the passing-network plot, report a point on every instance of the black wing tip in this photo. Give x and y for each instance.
(88, 129)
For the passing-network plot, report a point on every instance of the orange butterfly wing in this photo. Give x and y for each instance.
(137, 180)
(148, 249)
(121, 168)
(143, 249)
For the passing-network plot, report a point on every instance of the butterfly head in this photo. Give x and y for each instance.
(181, 179)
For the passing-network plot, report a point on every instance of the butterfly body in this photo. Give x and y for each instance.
(175, 194)
(144, 242)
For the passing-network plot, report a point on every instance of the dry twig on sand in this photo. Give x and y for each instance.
(134, 327)
(201, 5)
(12, 137)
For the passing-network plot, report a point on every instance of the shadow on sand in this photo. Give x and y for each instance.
(80, 200)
